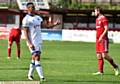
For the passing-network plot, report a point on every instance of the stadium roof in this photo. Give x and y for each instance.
(9, 11)
(87, 12)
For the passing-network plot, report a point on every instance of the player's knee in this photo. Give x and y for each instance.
(18, 46)
(33, 57)
(36, 55)
(17, 43)
(105, 55)
(37, 58)
(9, 45)
(99, 56)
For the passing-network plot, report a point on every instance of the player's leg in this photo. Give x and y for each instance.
(111, 61)
(100, 64)
(38, 66)
(17, 40)
(32, 64)
(10, 41)
(31, 68)
(35, 63)
(104, 49)
(99, 58)
(18, 50)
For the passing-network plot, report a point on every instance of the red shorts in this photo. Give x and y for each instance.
(102, 47)
(15, 35)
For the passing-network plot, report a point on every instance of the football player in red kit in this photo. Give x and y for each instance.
(102, 42)
(14, 35)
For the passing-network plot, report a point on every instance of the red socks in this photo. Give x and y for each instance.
(100, 65)
(9, 52)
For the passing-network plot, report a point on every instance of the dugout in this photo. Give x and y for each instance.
(9, 17)
(84, 20)
(71, 19)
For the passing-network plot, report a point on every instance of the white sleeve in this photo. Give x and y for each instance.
(25, 23)
(40, 19)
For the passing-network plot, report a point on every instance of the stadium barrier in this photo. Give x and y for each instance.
(78, 35)
(69, 35)
(3, 33)
(52, 34)
(88, 35)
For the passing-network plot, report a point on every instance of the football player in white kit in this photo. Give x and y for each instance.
(32, 30)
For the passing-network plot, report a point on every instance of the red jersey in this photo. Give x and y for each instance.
(101, 21)
(102, 46)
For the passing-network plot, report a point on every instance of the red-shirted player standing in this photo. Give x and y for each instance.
(14, 35)
(102, 42)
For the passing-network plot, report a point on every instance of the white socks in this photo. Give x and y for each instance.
(33, 65)
(31, 69)
(39, 69)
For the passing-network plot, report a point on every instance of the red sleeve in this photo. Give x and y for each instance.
(105, 21)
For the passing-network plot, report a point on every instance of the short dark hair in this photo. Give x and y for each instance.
(99, 9)
(29, 3)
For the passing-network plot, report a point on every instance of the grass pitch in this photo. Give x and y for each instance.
(63, 63)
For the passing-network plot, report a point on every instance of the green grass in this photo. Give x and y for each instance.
(63, 63)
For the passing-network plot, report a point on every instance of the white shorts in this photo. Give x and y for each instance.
(38, 49)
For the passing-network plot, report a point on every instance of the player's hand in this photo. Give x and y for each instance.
(100, 40)
(57, 22)
(32, 46)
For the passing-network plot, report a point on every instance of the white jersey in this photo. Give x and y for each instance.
(33, 23)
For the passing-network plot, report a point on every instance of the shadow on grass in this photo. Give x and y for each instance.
(85, 81)
(48, 58)
(8, 68)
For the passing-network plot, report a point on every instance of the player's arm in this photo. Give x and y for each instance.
(26, 34)
(105, 25)
(45, 24)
